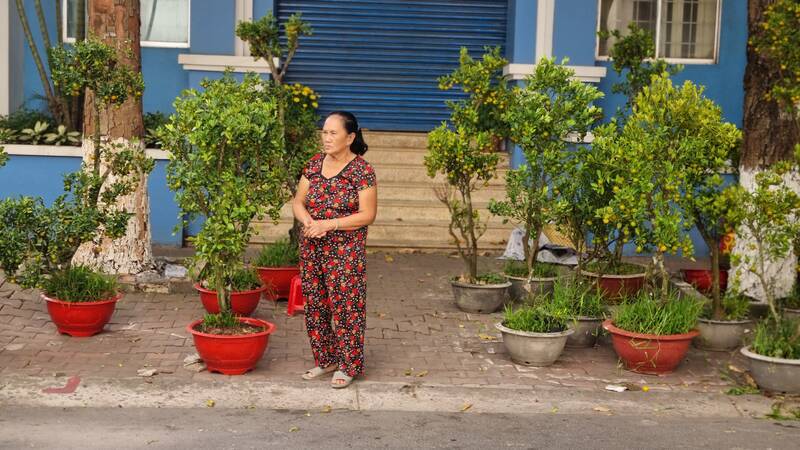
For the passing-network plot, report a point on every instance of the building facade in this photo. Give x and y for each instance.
(379, 59)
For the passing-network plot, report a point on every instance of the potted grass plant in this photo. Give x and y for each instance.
(652, 333)
(725, 330)
(585, 307)
(535, 334)
(39, 241)
(226, 166)
(525, 284)
(551, 105)
(463, 152)
(790, 305)
(277, 264)
(246, 288)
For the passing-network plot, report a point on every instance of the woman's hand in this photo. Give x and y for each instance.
(317, 228)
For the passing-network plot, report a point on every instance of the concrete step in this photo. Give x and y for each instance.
(406, 234)
(425, 191)
(402, 209)
(376, 139)
(417, 173)
(405, 155)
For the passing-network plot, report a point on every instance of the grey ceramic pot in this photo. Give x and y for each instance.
(479, 298)
(534, 349)
(774, 374)
(521, 288)
(791, 313)
(587, 329)
(721, 335)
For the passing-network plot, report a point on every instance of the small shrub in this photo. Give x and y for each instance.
(612, 268)
(281, 253)
(152, 122)
(580, 299)
(25, 118)
(779, 339)
(225, 323)
(647, 315)
(534, 319)
(244, 279)
(734, 307)
(491, 278)
(79, 284)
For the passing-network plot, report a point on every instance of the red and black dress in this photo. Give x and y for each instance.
(333, 268)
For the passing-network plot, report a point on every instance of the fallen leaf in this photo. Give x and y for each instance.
(487, 337)
(388, 258)
(146, 372)
(210, 403)
(750, 381)
(735, 369)
(136, 339)
(601, 409)
(381, 315)
(554, 410)
(461, 325)
(422, 374)
(327, 408)
(293, 429)
(408, 372)
(466, 407)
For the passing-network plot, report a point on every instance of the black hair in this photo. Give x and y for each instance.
(359, 147)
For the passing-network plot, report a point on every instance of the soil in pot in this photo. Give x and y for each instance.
(242, 303)
(80, 319)
(479, 298)
(232, 354)
(647, 353)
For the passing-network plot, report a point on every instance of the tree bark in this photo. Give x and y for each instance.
(117, 22)
(770, 134)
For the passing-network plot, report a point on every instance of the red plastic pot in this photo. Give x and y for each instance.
(278, 280)
(242, 303)
(617, 286)
(649, 353)
(80, 319)
(701, 279)
(232, 355)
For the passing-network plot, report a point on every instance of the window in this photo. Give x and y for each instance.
(165, 23)
(685, 30)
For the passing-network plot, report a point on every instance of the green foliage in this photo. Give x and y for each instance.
(777, 338)
(61, 136)
(777, 38)
(301, 135)
(487, 89)
(793, 300)
(491, 278)
(27, 126)
(734, 307)
(34, 135)
(3, 156)
(281, 253)
(25, 118)
(464, 153)
(152, 122)
(264, 38)
(648, 315)
(223, 320)
(519, 269)
(244, 279)
(633, 53)
(79, 284)
(776, 412)
(579, 298)
(537, 318)
(551, 106)
(227, 166)
(671, 141)
(770, 215)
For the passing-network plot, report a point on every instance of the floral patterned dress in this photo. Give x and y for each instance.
(333, 268)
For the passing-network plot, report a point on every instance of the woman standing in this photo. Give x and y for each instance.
(336, 199)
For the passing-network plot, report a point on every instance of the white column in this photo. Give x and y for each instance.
(5, 58)
(545, 15)
(244, 11)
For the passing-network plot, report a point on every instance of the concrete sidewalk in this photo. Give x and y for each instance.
(422, 353)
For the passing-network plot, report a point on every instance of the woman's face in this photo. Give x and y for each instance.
(335, 138)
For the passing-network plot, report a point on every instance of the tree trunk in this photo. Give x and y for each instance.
(770, 134)
(117, 22)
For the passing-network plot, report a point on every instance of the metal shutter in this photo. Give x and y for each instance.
(381, 60)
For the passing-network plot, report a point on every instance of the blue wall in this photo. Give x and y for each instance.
(16, 179)
(574, 25)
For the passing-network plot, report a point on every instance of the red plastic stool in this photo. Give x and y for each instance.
(296, 300)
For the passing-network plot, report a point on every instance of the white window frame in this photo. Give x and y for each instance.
(154, 44)
(684, 61)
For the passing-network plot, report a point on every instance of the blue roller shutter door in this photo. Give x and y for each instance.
(381, 59)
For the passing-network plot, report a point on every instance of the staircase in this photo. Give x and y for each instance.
(409, 214)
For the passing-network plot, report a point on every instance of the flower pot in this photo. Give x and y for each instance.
(587, 329)
(242, 303)
(479, 298)
(614, 287)
(774, 374)
(80, 319)
(534, 349)
(791, 313)
(278, 280)
(721, 335)
(649, 353)
(701, 279)
(521, 287)
(232, 354)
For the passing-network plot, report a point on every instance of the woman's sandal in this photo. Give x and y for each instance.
(340, 380)
(318, 372)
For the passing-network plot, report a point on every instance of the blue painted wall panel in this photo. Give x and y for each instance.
(164, 78)
(41, 176)
(212, 26)
(262, 7)
(521, 31)
(574, 28)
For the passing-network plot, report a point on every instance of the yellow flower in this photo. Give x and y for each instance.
(315, 104)
(296, 99)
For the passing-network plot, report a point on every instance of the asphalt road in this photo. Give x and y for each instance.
(214, 428)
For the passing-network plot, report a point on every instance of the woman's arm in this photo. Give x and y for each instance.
(367, 210)
(299, 203)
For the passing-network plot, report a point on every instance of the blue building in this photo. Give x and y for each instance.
(379, 59)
